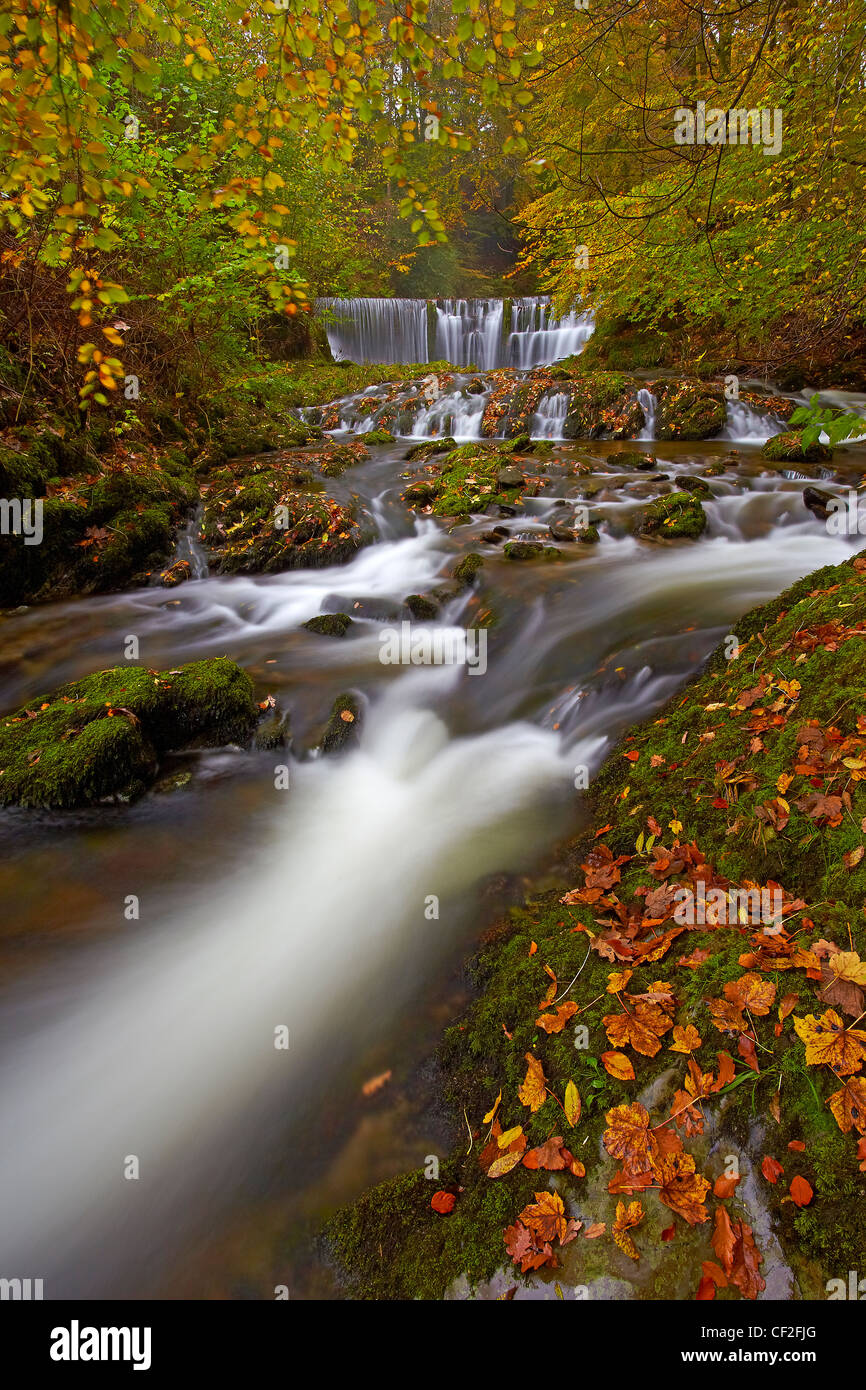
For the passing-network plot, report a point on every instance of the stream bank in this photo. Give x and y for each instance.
(749, 780)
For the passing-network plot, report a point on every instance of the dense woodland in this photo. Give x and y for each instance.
(205, 172)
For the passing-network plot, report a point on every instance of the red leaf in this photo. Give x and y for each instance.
(443, 1202)
(801, 1192)
(771, 1168)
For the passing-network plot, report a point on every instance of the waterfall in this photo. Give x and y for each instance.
(466, 331)
(748, 426)
(538, 337)
(648, 404)
(548, 420)
(376, 330)
(470, 330)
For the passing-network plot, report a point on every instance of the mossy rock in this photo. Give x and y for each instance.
(628, 458)
(465, 571)
(343, 728)
(430, 447)
(266, 522)
(329, 624)
(468, 482)
(687, 482)
(378, 437)
(589, 535)
(677, 516)
(102, 736)
(422, 608)
(786, 448)
(530, 550)
(333, 461)
(690, 410)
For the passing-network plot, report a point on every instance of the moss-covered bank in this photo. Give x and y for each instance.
(750, 779)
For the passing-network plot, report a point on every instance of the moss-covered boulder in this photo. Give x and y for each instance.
(465, 570)
(530, 550)
(420, 453)
(677, 516)
(422, 608)
(343, 728)
(689, 410)
(467, 480)
(268, 519)
(630, 458)
(786, 448)
(103, 736)
(329, 624)
(602, 403)
(333, 461)
(379, 437)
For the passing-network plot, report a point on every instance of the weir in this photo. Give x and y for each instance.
(486, 333)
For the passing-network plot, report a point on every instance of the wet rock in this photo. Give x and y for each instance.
(689, 483)
(464, 573)
(510, 477)
(422, 608)
(173, 781)
(786, 448)
(421, 493)
(677, 516)
(476, 387)
(589, 535)
(627, 458)
(273, 731)
(560, 531)
(421, 452)
(176, 574)
(817, 501)
(530, 550)
(329, 624)
(344, 725)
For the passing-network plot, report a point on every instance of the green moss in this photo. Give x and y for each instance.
(466, 481)
(530, 550)
(343, 726)
(786, 448)
(264, 520)
(689, 410)
(102, 736)
(97, 536)
(423, 609)
(394, 1246)
(676, 516)
(379, 437)
(465, 571)
(329, 624)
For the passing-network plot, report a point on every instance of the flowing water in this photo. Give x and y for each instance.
(307, 908)
(486, 333)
